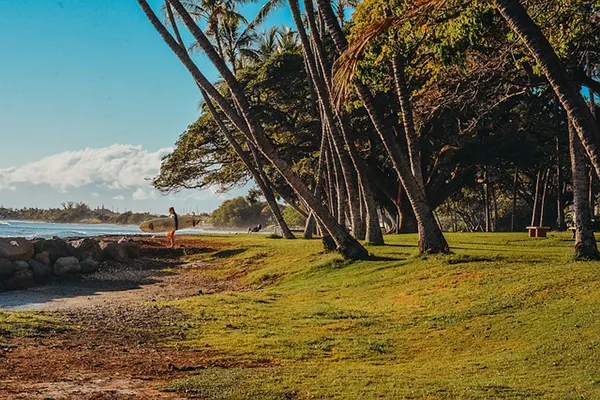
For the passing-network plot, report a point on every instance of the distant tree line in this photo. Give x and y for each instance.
(75, 212)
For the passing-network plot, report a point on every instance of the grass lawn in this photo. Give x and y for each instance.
(504, 317)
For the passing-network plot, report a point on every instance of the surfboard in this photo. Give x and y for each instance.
(168, 224)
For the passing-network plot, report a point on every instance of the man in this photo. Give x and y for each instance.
(171, 234)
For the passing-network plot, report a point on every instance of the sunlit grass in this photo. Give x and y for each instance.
(503, 317)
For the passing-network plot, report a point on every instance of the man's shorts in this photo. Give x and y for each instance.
(170, 234)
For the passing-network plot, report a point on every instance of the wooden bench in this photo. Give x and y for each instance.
(538, 231)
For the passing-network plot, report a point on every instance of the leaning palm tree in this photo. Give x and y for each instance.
(431, 238)
(568, 93)
(242, 118)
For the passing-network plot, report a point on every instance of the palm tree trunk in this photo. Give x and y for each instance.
(560, 217)
(270, 196)
(369, 229)
(336, 133)
(346, 245)
(257, 173)
(514, 199)
(585, 242)
(591, 197)
(412, 141)
(564, 87)
(544, 192)
(431, 238)
(535, 198)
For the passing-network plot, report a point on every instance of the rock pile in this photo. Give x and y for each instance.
(25, 263)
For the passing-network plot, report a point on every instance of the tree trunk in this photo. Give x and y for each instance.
(560, 218)
(544, 192)
(257, 173)
(536, 197)
(349, 159)
(407, 222)
(514, 199)
(270, 196)
(431, 238)
(591, 196)
(585, 242)
(309, 227)
(346, 245)
(412, 141)
(568, 93)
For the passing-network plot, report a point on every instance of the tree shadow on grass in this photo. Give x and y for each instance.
(372, 257)
(228, 253)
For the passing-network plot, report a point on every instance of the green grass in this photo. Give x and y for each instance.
(504, 317)
(27, 324)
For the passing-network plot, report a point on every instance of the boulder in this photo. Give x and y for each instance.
(41, 271)
(132, 248)
(6, 268)
(56, 248)
(89, 265)
(85, 248)
(16, 249)
(43, 257)
(20, 265)
(22, 279)
(66, 266)
(114, 251)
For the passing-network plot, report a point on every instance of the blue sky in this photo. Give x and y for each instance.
(90, 74)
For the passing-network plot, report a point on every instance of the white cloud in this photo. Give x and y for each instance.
(141, 194)
(117, 166)
(95, 194)
(119, 197)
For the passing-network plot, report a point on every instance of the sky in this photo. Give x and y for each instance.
(90, 100)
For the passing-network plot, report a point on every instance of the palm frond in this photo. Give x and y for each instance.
(264, 12)
(345, 66)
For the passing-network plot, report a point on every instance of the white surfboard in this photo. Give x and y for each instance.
(168, 224)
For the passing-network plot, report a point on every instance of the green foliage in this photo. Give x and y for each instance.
(72, 212)
(239, 212)
(506, 317)
(293, 217)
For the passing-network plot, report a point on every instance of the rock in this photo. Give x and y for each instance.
(66, 266)
(89, 265)
(43, 257)
(20, 265)
(56, 248)
(6, 268)
(16, 249)
(132, 248)
(41, 271)
(85, 248)
(22, 279)
(114, 251)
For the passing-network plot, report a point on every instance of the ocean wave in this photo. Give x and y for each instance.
(4, 223)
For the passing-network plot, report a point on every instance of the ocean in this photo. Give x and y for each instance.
(30, 229)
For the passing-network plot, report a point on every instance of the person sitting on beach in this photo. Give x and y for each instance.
(171, 234)
(255, 229)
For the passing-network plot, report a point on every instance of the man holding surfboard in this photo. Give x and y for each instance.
(171, 234)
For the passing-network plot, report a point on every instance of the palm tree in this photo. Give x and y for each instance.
(265, 45)
(256, 172)
(567, 92)
(245, 123)
(287, 41)
(585, 242)
(431, 238)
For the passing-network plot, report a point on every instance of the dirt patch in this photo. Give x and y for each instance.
(113, 345)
